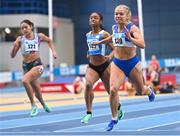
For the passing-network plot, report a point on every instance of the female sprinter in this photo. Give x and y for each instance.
(29, 43)
(126, 37)
(98, 64)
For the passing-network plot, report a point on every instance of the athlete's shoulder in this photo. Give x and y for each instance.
(19, 37)
(133, 27)
(130, 25)
(115, 26)
(88, 33)
(105, 33)
(18, 40)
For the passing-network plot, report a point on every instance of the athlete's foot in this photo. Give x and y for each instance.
(34, 111)
(120, 113)
(86, 118)
(47, 108)
(151, 94)
(111, 125)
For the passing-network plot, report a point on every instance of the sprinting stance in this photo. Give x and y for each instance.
(126, 37)
(29, 43)
(98, 64)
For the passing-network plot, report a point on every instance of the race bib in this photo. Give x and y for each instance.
(119, 39)
(91, 46)
(31, 46)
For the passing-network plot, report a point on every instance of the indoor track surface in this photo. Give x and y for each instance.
(160, 118)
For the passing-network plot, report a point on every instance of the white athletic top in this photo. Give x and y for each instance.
(119, 38)
(29, 46)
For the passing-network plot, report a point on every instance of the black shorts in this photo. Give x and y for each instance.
(28, 66)
(100, 68)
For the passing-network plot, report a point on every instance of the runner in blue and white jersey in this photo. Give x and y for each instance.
(126, 37)
(98, 67)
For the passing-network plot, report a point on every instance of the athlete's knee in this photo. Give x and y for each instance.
(25, 81)
(139, 91)
(37, 95)
(113, 90)
(89, 86)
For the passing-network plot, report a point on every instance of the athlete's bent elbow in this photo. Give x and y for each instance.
(12, 56)
(143, 46)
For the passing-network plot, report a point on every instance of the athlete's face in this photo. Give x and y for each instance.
(94, 19)
(26, 29)
(120, 15)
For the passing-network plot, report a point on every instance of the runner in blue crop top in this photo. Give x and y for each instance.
(98, 62)
(126, 37)
(95, 50)
(32, 65)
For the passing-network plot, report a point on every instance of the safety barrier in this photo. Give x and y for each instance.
(168, 78)
(56, 87)
(99, 86)
(70, 88)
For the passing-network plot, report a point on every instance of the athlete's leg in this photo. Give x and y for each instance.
(37, 90)
(27, 79)
(105, 77)
(31, 75)
(91, 77)
(136, 77)
(116, 79)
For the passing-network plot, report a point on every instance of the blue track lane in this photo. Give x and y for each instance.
(161, 117)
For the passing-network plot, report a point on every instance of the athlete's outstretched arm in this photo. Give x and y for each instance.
(110, 44)
(50, 43)
(108, 39)
(111, 55)
(16, 46)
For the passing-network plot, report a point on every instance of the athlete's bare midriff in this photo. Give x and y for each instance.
(97, 60)
(27, 58)
(124, 53)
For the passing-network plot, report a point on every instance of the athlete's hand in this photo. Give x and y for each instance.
(127, 33)
(95, 42)
(108, 57)
(87, 56)
(54, 55)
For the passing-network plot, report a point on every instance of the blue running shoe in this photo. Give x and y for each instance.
(151, 94)
(111, 125)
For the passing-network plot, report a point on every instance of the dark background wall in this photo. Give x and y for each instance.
(81, 18)
(161, 21)
(161, 25)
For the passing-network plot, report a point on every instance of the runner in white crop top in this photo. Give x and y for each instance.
(32, 65)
